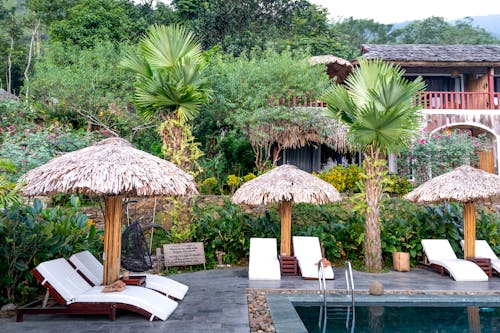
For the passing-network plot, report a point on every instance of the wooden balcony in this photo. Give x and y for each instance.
(445, 100)
(438, 100)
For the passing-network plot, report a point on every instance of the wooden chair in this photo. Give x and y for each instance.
(77, 296)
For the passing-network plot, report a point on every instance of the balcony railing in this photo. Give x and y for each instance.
(439, 100)
(444, 100)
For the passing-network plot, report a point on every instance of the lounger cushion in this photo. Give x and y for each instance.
(439, 252)
(155, 303)
(307, 250)
(263, 262)
(89, 266)
(74, 289)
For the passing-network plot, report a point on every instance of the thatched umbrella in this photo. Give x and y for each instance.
(464, 184)
(112, 168)
(336, 67)
(285, 184)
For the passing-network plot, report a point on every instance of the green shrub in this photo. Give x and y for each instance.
(443, 151)
(233, 182)
(341, 232)
(209, 185)
(398, 185)
(31, 234)
(344, 179)
(249, 177)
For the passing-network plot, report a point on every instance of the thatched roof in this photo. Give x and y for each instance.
(433, 53)
(298, 127)
(336, 67)
(111, 167)
(464, 184)
(285, 183)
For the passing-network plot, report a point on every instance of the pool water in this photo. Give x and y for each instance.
(378, 319)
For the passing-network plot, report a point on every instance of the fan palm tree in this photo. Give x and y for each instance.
(169, 68)
(170, 85)
(377, 104)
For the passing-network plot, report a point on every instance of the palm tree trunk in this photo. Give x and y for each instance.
(374, 170)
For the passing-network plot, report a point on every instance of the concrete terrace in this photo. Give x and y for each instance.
(217, 301)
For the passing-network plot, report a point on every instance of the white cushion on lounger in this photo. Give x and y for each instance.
(440, 252)
(263, 262)
(307, 250)
(86, 263)
(74, 289)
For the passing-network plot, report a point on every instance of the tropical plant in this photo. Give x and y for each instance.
(9, 192)
(436, 153)
(30, 234)
(169, 81)
(377, 105)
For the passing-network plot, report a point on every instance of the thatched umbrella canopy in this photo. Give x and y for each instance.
(336, 66)
(464, 184)
(112, 168)
(285, 185)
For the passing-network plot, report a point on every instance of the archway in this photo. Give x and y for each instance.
(488, 160)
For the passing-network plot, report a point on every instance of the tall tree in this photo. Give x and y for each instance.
(354, 33)
(435, 30)
(89, 22)
(237, 25)
(170, 86)
(377, 105)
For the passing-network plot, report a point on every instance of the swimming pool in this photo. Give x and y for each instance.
(380, 318)
(300, 313)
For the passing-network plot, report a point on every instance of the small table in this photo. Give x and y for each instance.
(288, 265)
(136, 280)
(484, 264)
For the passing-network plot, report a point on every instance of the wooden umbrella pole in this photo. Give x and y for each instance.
(469, 230)
(112, 238)
(286, 227)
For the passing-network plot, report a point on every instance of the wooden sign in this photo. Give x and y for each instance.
(184, 254)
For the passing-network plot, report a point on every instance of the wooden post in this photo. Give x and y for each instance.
(469, 230)
(112, 238)
(286, 227)
(474, 319)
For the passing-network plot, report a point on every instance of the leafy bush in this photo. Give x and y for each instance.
(209, 185)
(435, 154)
(249, 177)
(31, 234)
(233, 182)
(340, 231)
(398, 185)
(29, 147)
(344, 179)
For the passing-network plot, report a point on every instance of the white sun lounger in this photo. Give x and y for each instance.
(77, 296)
(263, 262)
(92, 269)
(440, 255)
(483, 250)
(307, 250)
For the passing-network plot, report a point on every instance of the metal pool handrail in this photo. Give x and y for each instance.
(349, 280)
(322, 280)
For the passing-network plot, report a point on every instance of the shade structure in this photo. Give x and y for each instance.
(285, 185)
(464, 184)
(336, 67)
(111, 168)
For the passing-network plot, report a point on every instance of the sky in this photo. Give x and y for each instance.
(395, 11)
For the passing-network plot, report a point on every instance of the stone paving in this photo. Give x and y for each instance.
(217, 301)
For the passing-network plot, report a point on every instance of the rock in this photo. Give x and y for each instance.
(9, 307)
(376, 288)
